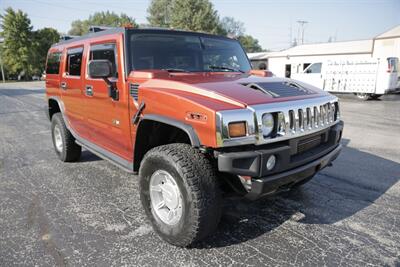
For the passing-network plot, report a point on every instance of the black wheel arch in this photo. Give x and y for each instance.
(171, 131)
(53, 107)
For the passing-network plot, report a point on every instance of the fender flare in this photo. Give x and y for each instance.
(188, 129)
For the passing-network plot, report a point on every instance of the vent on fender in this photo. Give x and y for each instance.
(133, 90)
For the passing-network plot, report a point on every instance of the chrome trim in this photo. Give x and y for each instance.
(294, 119)
(223, 118)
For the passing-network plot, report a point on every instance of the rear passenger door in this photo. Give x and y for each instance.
(108, 119)
(71, 90)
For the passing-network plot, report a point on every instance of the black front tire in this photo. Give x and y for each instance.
(197, 182)
(70, 151)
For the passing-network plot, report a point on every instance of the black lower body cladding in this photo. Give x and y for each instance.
(296, 160)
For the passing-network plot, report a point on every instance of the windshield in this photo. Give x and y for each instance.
(186, 53)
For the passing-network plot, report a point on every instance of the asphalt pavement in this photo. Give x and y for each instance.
(89, 213)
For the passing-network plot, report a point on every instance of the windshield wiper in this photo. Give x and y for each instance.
(224, 68)
(175, 70)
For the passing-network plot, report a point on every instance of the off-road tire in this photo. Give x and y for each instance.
(71, 151)
(197, 181)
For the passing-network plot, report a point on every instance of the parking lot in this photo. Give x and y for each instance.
(89, 213)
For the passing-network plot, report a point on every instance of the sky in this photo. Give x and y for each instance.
(273, 23)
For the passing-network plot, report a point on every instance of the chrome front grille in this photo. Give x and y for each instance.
(292, 119)
(303, 120)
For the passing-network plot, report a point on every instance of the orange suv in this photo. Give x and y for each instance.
(185, 111)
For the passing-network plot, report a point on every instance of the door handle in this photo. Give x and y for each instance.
(89, 90)
(63, 85)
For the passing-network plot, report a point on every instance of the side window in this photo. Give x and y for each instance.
(74, 61)
(105, 51)
(53, 63)
(314, 68)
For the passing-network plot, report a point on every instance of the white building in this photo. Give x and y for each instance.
(296, 59)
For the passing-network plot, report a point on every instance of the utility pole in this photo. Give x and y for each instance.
(302, 24)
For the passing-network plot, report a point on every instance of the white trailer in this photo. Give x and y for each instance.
(367, 78)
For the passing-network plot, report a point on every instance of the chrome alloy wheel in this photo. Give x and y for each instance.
(58, 138)
(166, 198)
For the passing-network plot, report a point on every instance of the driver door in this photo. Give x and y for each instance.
(108, 119)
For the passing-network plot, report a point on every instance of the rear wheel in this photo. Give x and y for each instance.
(64, 143)
(179, 193)
(375, 96)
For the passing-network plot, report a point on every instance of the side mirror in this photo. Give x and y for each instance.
(102, 68)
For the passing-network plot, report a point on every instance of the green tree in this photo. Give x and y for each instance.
(233, 28)
(109, 19)
(192, 15)
(17, 33)
(42, 40)
(250, 44)
(160, 13)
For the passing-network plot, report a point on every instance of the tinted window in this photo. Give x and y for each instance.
(186, 53)
(74, 61)
(314, 68)
(105, 51)
(53, 63)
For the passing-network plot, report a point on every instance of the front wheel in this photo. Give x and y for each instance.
(363, 96)
(179, 193)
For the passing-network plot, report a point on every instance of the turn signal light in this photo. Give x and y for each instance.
(237, 129)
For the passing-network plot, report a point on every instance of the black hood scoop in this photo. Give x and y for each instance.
(280, 89)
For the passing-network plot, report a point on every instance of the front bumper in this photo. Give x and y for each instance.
(279, 182)
(297, 159)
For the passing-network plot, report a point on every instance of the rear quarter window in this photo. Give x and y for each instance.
(53, 63)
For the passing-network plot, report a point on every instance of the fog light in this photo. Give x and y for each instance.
(271, 162)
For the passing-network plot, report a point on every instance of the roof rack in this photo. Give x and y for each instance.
(67, 37)
(93, 29)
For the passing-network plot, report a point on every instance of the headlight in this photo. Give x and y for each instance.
(267, 124)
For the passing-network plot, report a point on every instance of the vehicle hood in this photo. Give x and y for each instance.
(237, 89)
